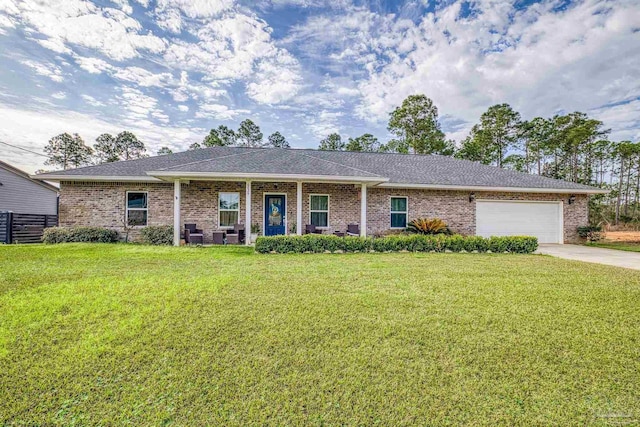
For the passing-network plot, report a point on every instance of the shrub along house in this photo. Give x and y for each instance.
(290, 188)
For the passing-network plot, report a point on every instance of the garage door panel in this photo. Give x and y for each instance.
(541, 220)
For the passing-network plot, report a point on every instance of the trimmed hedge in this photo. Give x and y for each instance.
(79, 234)
(157, 235)
(315, 243)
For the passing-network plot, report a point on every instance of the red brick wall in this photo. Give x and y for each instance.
(454, 208)
(344, 204)
(103, 205)
(257, 195)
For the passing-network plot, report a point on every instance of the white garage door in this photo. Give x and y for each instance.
(539, 219)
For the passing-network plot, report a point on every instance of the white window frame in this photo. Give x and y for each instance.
(220, 210)
(127, 208)
(406, 213)
(328, 196)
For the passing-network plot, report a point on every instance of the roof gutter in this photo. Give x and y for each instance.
(496, 189)
(59, 178)
(228, 176)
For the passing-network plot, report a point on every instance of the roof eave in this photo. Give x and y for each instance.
(495, 189)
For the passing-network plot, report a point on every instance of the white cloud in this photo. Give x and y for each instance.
(227, 47)
(183, 108)
(218, 111)
(6, 22)
(276, 79)
(309, 3)
(92, 65)
(323, 123)
(55, 45)
(124, 6)
(197, 8)
(79, 22)
(345, 36)
(169, 12)
(143, 77)
(539, 60)
(92, 101)
(141, 108)
(44, 69)
(239, 47)
(59, 95)
(624, 119)
(170, 20)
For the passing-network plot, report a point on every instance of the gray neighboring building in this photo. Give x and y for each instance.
(19, 193)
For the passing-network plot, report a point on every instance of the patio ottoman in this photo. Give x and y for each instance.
(218, 237)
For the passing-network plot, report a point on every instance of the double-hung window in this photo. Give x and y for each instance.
(228, 209)
(319, 210)
(137, 208)
(399, 212)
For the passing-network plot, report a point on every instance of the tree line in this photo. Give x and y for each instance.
(70, 151)
(247, 135)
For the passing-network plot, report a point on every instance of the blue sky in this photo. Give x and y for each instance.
(169, 70)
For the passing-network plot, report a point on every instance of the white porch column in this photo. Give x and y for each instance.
(176, 212)
(299, 209)
(363, 211)
(247, 221)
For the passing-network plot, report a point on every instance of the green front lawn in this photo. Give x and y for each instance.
(126, 334)
(622, 246)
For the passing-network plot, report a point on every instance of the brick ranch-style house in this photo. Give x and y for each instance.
(289, 188)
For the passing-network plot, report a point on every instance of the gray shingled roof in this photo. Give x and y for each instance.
(397, 168)
(274, 161)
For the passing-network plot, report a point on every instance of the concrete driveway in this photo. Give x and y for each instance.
(594, 255)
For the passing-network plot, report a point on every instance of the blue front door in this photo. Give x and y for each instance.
(274, 213)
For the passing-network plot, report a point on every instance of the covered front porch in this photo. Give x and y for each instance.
(272, 207)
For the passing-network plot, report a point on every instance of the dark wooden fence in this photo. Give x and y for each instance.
(24, 228)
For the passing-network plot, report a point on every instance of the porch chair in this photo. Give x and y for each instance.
(353, 230)
(193, 235)
(311, 229)
(237, 236)
(219, 237)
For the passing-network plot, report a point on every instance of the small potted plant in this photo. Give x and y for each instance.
(255, 232)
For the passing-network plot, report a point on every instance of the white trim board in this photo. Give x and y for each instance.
(492, 189)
